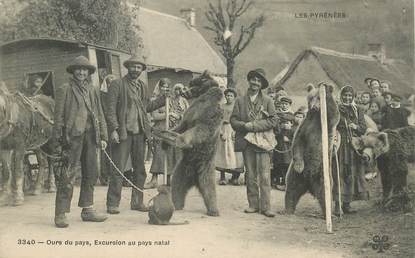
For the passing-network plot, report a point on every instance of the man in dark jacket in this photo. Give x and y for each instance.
(255, 112)
(126, 114)
(80, 127)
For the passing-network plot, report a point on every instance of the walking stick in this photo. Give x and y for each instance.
(325, 153)
(166, 151)
(339, 198)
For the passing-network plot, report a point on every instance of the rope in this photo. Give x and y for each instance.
(33, 108)
(122, 174)
(282, 152)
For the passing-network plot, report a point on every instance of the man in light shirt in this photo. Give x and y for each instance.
(255, 112)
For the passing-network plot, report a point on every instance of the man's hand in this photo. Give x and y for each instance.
(175, 115)
(248, 126)
(115, 137)
(353, 126)
(103, 145)
(286, 139)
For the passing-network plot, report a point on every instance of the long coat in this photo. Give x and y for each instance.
(116, 110)
(241, 115)
(71, 113)
(351, 167)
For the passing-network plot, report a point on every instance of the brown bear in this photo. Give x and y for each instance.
(392, 149)
(198, 134)
(305, 173)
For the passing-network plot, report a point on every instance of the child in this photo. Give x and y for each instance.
(299, 116)
(395, 116)
(387, 96)
(285, 105)
(365, 101)
(377, 96)
(375, 113)
(282, 155)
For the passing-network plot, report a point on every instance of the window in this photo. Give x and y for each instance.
(39, 83)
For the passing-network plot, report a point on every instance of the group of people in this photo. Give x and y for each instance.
(266, 160)
(81, 125)
(382, 105)
(256, 136)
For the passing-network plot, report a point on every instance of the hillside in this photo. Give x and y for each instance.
(284, 36)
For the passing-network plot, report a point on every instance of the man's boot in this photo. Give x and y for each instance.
(61, 221)
(137, 201)
(90, 214)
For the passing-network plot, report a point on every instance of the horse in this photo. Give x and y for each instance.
(26, 123)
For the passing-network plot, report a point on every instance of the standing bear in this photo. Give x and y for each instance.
(197, 136)
(305, 173)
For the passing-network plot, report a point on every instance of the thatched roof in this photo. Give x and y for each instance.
(345, 68)
(170, 42)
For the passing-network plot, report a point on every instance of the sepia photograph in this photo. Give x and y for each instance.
(207, 128)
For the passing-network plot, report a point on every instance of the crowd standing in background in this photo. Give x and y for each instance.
(256, 135)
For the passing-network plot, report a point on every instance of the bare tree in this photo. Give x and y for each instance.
(222, 20)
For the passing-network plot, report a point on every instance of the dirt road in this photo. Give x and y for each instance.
(233, 234)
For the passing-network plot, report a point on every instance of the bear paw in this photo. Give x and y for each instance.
(182, 144)
(298, 165)
(213, 213)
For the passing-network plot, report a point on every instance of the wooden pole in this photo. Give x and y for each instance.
(339, 199)
(325, 153)
(166, 151)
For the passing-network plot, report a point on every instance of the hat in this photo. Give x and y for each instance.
(368, 80)
(259, 72)
(135, 59)
(395, 97)
(284, 117)
(347, 88)
(178, 86)
(230, 90)
(81, 62)
(387, 93)
(286, 99)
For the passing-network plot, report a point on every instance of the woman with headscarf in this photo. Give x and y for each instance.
(351, 167)
(177, 106)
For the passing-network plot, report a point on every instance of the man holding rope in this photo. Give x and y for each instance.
(126, 114)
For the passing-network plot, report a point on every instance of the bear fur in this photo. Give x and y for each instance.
(393, 149)
(198, 134)
(305, 173)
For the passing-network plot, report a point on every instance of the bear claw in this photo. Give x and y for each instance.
(214, 213)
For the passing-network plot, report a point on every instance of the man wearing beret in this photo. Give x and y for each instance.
(255, 112)
(80, 126)
(129, 126)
